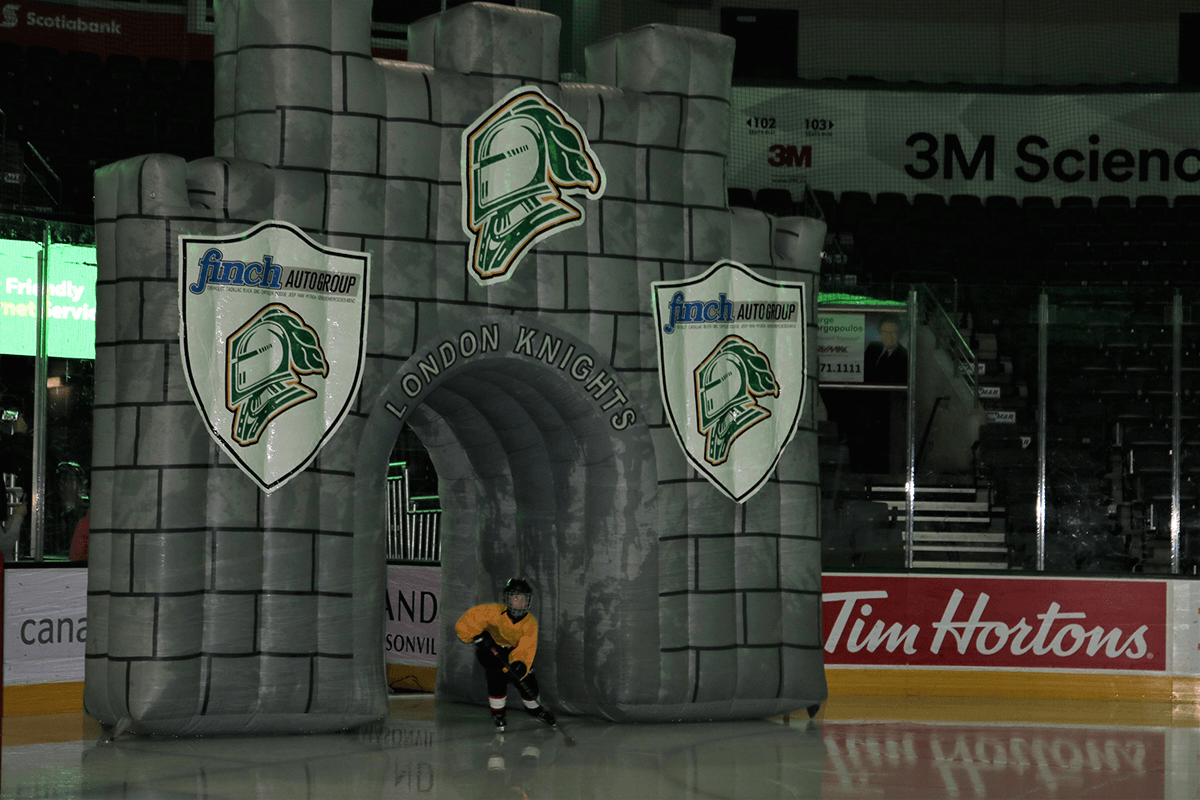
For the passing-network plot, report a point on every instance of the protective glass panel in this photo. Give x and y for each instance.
(865, 338)
(58, 459)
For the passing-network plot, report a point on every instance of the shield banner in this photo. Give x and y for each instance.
(732, 365)
(272, 332)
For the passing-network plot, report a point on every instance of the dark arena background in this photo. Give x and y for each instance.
(993, 494)
(994, 154)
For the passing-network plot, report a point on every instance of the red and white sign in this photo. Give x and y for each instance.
(997, 623)
(103, 30)
(162, 33)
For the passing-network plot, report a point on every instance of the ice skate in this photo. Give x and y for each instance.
(542, 715)
(499, 719)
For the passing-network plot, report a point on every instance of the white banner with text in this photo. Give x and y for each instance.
(45, 625)
(412, 615)
(964, 143)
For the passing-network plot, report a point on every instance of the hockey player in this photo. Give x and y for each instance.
(505, 639)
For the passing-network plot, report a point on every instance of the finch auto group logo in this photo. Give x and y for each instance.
(728, 383)
(272, 334)
(733, 370)
(522, 161)
(265, 359)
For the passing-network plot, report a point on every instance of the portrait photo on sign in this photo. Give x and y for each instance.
(868, 348)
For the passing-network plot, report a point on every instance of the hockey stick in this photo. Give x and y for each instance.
(524, 687)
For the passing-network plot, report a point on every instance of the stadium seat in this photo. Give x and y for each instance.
(1002, 206)
(853, 206)
(739, 197)
(965, 203)
(1152, 206)
(1144, 250)
(775, 201)
(1186, 209)
(122, 65)
(892, 205)
(198, 75)
(1163, 230)
(12, 62)
(42, 64)
(1068, 249)
(1107, 251)
(85, 70)
(163, 72)
(1113, 208)
(122, 77)
(1039, 209)
(928, 207)
(1076, 209)
(827, 200)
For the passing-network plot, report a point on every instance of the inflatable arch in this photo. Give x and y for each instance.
(216, 608)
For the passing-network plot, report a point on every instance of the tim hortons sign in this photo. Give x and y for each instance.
(733, 372)
(272, 332)
(1002, 623)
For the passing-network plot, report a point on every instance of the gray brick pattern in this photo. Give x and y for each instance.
(215, 608)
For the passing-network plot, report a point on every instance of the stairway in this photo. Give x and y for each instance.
(954, 527)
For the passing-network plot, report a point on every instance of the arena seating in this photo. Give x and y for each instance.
(115, 108)
(1000, 240)
(1111, 268)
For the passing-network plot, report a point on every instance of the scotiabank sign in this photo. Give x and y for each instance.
(103, 30)
(1002, 623)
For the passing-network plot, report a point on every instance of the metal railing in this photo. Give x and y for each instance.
(950, 339)
(413, 522)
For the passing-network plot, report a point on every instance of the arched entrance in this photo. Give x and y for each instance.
(546, 470)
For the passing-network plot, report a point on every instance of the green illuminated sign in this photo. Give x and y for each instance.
(71, 290)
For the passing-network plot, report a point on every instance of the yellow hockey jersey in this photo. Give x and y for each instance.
(521, 635)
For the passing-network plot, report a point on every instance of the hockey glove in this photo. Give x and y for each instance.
(484, 640)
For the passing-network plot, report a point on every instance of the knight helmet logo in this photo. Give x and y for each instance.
(522, 161)
(10, 16)
(728, 382)
(264, 361)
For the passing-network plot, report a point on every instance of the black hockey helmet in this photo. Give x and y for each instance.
(518, 597)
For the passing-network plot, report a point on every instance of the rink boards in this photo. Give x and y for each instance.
(885, 634)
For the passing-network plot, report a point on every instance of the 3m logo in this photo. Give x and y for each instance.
(789, 155)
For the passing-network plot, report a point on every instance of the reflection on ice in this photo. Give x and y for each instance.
(429, 749)
(992, 761)
(453, 752)
(463, 758)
